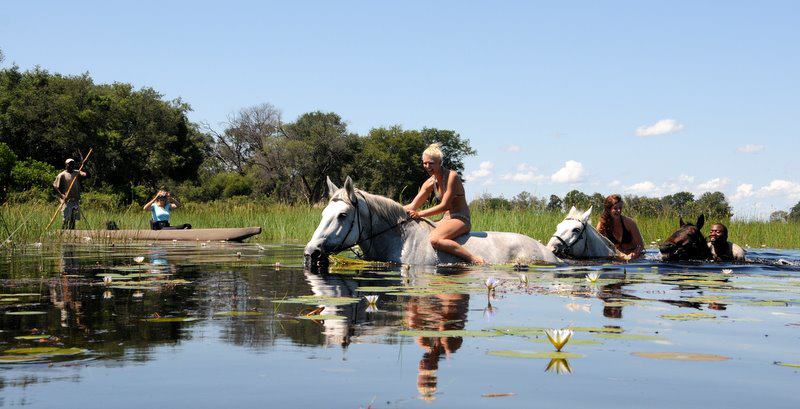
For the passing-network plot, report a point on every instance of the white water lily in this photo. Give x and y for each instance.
(592, 277)
(372, 308)
(558, 337)
(107, 280)
(491, 283)
(277, 265)
(107, 295)
(371, 299)
(239, 254)
(138, 294)
(138, 259)
(727, 271)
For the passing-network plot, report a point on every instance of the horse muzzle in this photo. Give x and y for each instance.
(314, 255)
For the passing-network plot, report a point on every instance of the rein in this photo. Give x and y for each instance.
(357, 220)
(568, 246)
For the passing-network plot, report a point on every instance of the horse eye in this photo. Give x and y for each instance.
(576, 230)
(342, 215)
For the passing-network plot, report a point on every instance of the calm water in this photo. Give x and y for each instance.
(205, 327)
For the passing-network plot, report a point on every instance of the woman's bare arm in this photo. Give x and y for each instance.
(452, 183)
(423, 195)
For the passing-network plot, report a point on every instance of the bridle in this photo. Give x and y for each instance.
(567, 249)
(357, 220)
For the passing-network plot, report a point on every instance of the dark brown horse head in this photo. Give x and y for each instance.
(687, 243)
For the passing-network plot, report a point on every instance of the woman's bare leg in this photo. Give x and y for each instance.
(442, 239)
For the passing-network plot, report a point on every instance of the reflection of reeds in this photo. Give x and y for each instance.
(288, 224)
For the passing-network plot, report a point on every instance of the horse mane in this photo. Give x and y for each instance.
(385, 208)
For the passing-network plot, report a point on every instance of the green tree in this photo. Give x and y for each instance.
(713, 205)
(794, 213)
(576, 198)
(390, 161)
(680, 203)
(596, 201)
(7, 161)
(138, 138)
(31, 173)
(644, 206)
(315, 146)
(555, 204)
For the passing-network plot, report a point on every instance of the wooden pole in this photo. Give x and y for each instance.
(71, 183)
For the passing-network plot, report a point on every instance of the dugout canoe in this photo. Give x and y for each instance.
(226, 234)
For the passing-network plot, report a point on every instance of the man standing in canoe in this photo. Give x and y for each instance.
(70, 198)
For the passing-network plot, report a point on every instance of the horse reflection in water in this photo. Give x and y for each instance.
(438, 313)
(335, 332)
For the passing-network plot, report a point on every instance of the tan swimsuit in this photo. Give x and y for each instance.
(461, 214)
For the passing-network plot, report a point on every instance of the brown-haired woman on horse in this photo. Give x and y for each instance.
(619, 229)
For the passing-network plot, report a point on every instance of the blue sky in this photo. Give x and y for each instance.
(620, 96)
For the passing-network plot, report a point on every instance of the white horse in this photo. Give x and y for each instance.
(575, 237)
(383, 231)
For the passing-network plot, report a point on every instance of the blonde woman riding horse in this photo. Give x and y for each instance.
(448, 190)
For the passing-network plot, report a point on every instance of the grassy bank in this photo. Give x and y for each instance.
(295, 224)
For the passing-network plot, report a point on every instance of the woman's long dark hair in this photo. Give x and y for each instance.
(607, 223)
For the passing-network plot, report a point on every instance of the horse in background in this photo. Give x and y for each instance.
(383, 231)
(575, 237)
(687, 243)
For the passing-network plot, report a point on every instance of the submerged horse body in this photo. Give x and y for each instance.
(380, 227)
(575, 237)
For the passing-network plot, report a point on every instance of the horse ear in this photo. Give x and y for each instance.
(586, 214)
(700, 221)
(331, 187)
(572, 211)
(350, 190)
(681, 222)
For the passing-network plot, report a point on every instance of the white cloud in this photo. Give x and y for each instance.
(744, 190)
(512, 148)
(484, 171)
(488, 182)
(684, 178)
(524, 173)
(571, 172)
(779, 187)
(641, 187)
(614, 184)
(713, 184)
(751, 148)
(662, 127)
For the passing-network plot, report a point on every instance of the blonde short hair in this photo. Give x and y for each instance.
(434, 151)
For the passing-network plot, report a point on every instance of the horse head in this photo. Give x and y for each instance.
(570, 233)
(687, 243)
(341, 224)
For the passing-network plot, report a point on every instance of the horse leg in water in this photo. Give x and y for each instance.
(442, 239)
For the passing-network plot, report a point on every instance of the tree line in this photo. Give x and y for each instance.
(143, 142)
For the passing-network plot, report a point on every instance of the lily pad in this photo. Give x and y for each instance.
(787, 364)
(32, 337)
(691, 316)
(524, 331)
(631, 337)
(449, 333)
(375, 289)
(322, 317)
(20, 295)
(9, 299)
(9, 359)
(45, 351)
(318, 300)
(681, 356)
(604, 330)
(238, 313)
(26, 312)
(171, 319)
(535, 354)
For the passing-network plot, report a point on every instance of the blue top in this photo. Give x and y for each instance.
(160, 214)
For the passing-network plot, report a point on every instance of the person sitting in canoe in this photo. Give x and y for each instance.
(160, 207)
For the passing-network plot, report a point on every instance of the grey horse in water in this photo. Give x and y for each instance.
(575, 237)
(381, 228)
